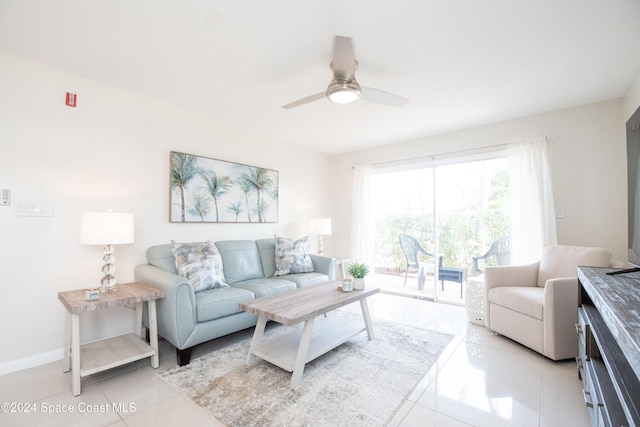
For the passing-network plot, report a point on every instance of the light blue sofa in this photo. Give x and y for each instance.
(187, 318)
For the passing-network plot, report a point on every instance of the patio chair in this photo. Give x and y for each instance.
(412, 249)
(500, 249)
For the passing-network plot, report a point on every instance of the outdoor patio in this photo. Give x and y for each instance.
(394, 284)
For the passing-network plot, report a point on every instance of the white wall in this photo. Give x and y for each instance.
(112, 151)
(587, 152)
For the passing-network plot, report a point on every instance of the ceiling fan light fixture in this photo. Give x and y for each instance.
(343, 92)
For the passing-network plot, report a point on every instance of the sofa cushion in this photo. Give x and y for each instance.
(220, 302)
(305, 279)
(161, 256)
(267, 250)
(264, 287)
(523, 299)
(292, 256)
(241, 260)
(562, 261)
(200, 263)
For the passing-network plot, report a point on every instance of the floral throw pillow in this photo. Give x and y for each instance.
(200, 263)
(293, 256)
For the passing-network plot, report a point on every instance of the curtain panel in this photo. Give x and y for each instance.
(362, 244)
(533, 222)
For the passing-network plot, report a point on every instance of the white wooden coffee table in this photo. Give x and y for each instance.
(293, 350)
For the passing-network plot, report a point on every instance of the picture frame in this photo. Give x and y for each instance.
(204, 190)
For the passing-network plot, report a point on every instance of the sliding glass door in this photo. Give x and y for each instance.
(454, 208)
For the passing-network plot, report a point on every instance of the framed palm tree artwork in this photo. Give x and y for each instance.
(211, 190)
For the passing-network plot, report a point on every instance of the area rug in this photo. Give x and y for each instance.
(360, 383)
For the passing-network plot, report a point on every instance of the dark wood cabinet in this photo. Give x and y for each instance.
(609, 346)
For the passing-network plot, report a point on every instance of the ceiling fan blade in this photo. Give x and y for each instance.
(344, 62)
(305, 100)
(382, 97)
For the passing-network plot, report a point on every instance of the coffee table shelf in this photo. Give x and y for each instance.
(328, 333)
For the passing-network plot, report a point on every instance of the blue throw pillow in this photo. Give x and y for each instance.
(293, 256)
(200, 263)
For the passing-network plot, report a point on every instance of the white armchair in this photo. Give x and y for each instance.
(537, 304)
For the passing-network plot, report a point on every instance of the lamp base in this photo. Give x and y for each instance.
(108, 281)
(108, 284)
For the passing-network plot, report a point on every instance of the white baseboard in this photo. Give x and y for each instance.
(30, 362)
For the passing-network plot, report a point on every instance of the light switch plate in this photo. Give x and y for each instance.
(41, 209)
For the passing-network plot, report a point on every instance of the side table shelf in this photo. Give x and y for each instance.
(97, 356)
(108, 353)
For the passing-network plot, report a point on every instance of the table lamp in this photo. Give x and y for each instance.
(108, 229)
(320, 227)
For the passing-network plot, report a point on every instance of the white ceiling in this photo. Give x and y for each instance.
(461, 63)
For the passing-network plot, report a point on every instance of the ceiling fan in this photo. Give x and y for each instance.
(344, 88)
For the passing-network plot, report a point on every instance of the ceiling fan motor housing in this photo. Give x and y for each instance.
(344, 87)
(343, 91)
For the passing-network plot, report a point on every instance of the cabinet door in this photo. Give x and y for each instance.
(581, 328)
(590, 395)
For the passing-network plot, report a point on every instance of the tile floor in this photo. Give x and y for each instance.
(480, 380)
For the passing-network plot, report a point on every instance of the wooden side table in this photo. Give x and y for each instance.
(108, 353)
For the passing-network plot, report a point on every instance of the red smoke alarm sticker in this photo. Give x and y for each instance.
(71, 99)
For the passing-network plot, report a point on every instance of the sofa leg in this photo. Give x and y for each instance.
(184, 356)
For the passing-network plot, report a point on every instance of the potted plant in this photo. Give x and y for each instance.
(358, 270)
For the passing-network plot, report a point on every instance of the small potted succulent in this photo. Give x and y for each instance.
(358, 270)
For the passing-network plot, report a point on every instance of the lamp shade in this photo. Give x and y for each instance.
(320, 226)
(101, 228)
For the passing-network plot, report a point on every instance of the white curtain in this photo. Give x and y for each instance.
(533, 222)
(361, 217)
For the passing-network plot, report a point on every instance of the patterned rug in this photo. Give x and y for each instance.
(360, 383)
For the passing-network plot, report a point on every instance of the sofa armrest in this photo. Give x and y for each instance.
(177, 310)
(325, 265)
(560, 315)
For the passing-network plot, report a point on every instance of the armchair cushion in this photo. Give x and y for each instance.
(562, 261)
(523, 299)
